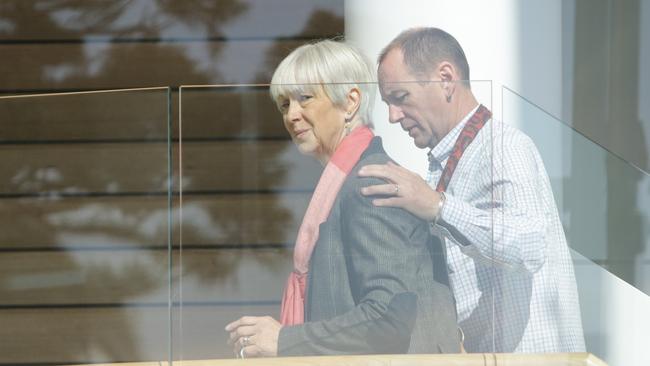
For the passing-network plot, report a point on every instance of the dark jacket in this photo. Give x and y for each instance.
(377, 281)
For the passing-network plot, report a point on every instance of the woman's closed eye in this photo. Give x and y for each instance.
(304, 97)
(284, 105)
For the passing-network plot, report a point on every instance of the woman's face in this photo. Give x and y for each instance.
(314, 123)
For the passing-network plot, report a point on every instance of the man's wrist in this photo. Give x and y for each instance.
(441, 204)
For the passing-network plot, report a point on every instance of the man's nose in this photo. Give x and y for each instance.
(395, 114)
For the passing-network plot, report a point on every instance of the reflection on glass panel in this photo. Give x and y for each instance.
(602, 203)
(245, 188)
(257, 175)
(467, 228)
(601, 197)
(536, 298)
(83, 199)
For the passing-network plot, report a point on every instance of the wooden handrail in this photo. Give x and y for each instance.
(473, 359)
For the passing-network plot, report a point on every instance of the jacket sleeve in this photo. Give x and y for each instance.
(379, 258)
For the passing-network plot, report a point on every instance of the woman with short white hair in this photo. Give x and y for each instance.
(366, 279)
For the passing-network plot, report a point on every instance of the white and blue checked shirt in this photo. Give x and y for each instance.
(509, 263)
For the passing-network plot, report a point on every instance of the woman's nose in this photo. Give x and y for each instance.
(293, 111)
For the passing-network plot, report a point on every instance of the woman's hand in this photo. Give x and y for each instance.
(254, 336)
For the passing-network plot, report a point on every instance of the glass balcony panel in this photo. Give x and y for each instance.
(602, 202)
(84, 272)
(244, 189)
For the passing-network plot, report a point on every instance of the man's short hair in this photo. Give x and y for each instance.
(336, 67)
(424, 48)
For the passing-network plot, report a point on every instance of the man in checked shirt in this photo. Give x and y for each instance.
(488, 197)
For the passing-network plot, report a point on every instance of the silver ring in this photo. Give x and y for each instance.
(245, 341)
(396, 189)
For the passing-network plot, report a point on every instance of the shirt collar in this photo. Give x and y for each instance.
(444, 147)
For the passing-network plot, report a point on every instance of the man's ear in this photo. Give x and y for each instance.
(448, 77)
(353, 102)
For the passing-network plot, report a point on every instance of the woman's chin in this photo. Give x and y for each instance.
(307, 149)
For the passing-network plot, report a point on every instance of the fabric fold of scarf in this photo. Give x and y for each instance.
(337, 169)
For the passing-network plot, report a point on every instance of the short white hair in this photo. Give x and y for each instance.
(336, 67)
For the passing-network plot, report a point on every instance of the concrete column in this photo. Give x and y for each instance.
(505, 42)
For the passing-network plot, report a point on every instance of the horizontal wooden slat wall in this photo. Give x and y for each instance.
(84, 260)
(213, 276)
(75, 335)
(210, 219)
(34, 67)
(142, 167)
(37, 19)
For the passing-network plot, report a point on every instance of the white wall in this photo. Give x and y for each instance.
(615, 313)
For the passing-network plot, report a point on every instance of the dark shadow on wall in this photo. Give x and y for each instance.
(114, 44)
(319, 19)
(90, 258)
(107, 237)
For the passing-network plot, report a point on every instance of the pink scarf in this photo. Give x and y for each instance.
(337, 169)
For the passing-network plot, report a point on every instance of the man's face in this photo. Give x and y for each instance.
(416, 106)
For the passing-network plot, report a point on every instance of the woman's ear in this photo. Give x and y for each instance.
(353, 102)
